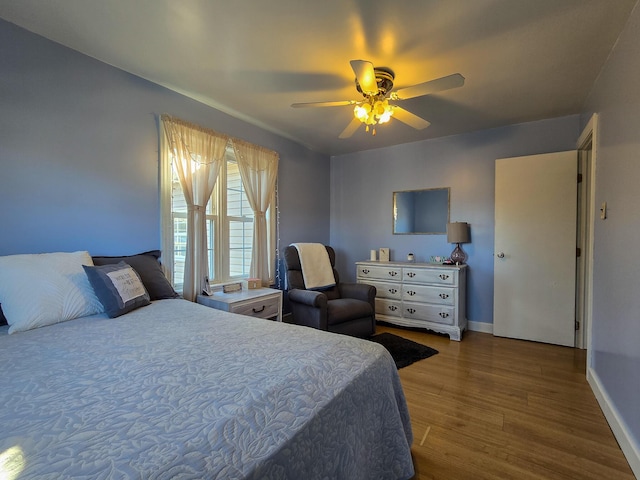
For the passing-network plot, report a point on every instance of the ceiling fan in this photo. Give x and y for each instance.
(376, 84)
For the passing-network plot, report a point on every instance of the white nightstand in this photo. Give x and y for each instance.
(259, 302)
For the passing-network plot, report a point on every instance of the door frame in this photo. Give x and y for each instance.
(587, 142)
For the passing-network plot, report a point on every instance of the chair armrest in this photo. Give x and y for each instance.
(309, 308)
(359, 291)
(308, 297)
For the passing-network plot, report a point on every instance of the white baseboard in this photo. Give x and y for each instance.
(619, 428)
(480, 327)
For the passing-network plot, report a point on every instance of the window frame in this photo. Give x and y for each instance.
(217, 220)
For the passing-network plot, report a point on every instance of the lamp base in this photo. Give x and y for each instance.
(458, 256)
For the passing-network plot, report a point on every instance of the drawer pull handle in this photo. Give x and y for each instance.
(443, 276)
(411, 292)
(393, 290)
(444, 295)
(365, 271)
(443, 314)
(411, 274)
(411, 310)
(258, 311)
(393, 308)
(393, 274)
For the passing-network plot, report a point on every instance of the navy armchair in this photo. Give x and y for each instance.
(347, 308)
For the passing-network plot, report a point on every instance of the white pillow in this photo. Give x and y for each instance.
(46, 288)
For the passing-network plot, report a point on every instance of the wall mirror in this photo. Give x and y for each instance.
(421, 212)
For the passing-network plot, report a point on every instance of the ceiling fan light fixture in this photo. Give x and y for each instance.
(373, 110)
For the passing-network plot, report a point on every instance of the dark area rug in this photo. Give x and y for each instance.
(404, 352)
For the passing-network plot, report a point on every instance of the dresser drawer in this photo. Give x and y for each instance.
(416, 275)
(422, 293)
(391, 308)
(431, 313)
(387, 290)
(260, 307)
(379, 272)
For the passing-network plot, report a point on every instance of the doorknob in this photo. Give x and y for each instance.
(500, 255)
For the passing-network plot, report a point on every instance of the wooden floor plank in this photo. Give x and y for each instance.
(492, 408)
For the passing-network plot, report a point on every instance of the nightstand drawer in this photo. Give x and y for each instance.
(260, 307)
(259, 302)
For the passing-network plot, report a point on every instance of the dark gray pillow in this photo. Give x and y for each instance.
(148, 267)
(118, 287)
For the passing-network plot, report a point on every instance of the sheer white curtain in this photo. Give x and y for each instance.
(197, 155)
(259, 169)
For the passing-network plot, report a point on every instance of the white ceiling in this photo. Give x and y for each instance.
(523, 60)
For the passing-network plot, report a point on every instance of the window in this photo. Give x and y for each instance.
(239, 223)
(229, 224)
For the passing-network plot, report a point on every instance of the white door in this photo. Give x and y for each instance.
(535, 248)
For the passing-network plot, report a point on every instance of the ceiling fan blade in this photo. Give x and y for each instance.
(409, 118)
(438, 85)
(351, 128)
(340, 103)
(366, 76)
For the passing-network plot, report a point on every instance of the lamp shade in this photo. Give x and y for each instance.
(458, 232)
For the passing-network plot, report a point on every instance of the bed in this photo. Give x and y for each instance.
(178, 390)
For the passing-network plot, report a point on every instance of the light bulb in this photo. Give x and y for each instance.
(385, 117)
(359, 112)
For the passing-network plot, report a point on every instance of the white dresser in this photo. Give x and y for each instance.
(422, 295)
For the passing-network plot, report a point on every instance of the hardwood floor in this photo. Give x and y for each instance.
(496, 408)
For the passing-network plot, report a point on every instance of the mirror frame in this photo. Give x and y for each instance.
(395, 206)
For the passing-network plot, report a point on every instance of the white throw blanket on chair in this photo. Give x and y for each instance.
(316, 266)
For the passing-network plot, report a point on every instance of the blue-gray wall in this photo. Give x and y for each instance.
(616, 308)
(79, 154)
(362, 186)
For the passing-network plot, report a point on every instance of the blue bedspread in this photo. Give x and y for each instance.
(177, 390)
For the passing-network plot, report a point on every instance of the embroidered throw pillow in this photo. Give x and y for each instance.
(118, 288)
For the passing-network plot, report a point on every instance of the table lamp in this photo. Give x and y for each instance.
(458, 232)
